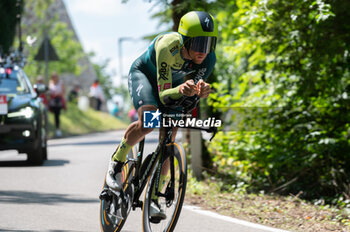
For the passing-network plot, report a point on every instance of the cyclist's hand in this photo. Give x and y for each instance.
(188, 88)
(203, 89)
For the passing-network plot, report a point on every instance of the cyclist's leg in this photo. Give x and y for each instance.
(135, 132)
(143, 97)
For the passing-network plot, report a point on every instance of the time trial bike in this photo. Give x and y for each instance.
(138, 173)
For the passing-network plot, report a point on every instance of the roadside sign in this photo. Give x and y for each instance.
(3, 104)
(46, 51)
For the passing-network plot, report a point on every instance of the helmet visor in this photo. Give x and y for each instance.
(203, 44)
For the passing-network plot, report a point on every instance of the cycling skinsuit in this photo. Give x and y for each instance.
(161, 69)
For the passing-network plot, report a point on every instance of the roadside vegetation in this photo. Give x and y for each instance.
(281, 86)
(77, 122)
(284, 212)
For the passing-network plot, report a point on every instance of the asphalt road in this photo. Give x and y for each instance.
(62, 195)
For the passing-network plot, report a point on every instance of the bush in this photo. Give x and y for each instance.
(284, 88)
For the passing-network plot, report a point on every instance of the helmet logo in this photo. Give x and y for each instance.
(207, 21)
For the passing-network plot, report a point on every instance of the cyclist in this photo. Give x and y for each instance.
(176, 64)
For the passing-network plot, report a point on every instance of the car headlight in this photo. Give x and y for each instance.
(26, 112)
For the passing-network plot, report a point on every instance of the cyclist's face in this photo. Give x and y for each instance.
(197, 57)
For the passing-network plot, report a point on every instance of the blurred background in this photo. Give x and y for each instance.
(281, 84)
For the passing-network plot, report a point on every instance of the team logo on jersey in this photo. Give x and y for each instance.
(163, 71)
(200, 74)
(139, 88)
(167, 86)
(174, 50)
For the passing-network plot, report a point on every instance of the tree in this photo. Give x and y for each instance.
(9, 9)
(288, 62)
(40, 19)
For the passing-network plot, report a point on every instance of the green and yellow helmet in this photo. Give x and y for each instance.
(202, 30)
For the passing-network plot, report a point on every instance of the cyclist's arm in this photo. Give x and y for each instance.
(165, 60)
(202, 73)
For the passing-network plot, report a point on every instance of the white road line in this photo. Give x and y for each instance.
(230, 219)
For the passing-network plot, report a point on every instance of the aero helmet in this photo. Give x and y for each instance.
(200, 31)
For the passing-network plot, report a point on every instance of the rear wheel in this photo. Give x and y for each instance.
(115, 207)
(35, 156)
(172, 198)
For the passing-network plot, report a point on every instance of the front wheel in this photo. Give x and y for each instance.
(114, 208)
(171, 194)
(37, 154)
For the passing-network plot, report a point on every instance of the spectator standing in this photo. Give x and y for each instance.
(97, 96)
(57, 101)
(133, 115)
(115, 111)
(40, 80)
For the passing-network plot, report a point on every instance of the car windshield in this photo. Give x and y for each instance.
(13, 83)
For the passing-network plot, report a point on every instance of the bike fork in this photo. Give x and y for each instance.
(169, 192)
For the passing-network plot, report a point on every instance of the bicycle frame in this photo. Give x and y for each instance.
(140, 179)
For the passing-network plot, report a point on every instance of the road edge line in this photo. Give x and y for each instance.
(231, 219)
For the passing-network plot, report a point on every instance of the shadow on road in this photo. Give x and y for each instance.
(15, 163)
(25, 197)
(51, 163)
(93, 143)
(23, 163)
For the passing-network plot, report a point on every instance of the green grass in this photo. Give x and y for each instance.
(76, 122)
